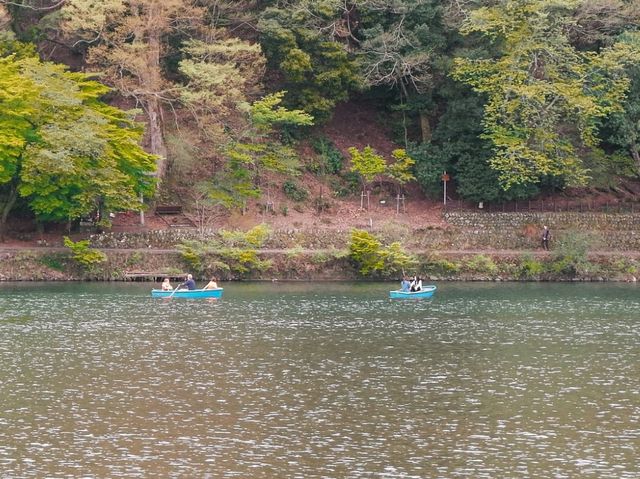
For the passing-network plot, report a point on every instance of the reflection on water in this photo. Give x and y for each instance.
(320, 380)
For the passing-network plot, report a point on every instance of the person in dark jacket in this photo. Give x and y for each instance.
(190, 283)
(546, 235)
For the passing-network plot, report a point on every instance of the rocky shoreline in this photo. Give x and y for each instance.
(44, 264)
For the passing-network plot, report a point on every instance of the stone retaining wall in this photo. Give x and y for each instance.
(558, 221)
(609, 231)
(464, 231)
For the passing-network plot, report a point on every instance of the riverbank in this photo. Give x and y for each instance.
(55, 264)
(462, 247)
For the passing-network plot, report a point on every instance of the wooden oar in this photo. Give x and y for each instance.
(174, 291)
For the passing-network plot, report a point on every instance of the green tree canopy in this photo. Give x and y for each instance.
(258, 148)
(61, 148)
(546, 98)
(298, 40)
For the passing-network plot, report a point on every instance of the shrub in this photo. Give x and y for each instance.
(530, 267)
(370, 256)
(243, 261)
(53, 261)
(331, 157)
(364, 249)
(396, 260)
(88, 258)
(319, 258)
(234, 252)
(624, 265)
(255, 237)
(482, 264)
(294, 192)
(440, 266)
(570, 255)
(295, 252)
(134, 259)
(192, 253)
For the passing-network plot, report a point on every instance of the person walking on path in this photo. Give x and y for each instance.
(546, 234)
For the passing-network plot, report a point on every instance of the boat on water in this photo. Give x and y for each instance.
(188, 293)
(425, 292)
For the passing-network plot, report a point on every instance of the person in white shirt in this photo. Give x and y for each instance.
(166, 285)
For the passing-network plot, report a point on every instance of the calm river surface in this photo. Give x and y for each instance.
(290, 380)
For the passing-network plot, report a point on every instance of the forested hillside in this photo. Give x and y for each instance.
(215, 104)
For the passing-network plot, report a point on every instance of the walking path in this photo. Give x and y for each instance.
(8, 248)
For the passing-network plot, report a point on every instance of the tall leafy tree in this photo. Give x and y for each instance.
(220, 76)
(546, 98)
(623, 127)
(299, 40)
(402, 48)
(127, 41)
(62, 149)
(258, 149)
(368, 165)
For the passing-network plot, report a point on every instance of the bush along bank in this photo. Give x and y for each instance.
(241, 255)
(294, 264)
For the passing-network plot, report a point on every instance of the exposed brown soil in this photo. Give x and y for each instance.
(353, 124)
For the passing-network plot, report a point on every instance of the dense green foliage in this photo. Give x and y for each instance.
(317, 71)
(229, 254)
(372, 257)
(511, 97)
(87, 257)
(62, 150)
(571, 254)
(546, 98)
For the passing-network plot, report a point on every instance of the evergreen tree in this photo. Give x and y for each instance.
(299, 40)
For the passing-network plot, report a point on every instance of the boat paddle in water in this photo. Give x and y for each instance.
(425, 292)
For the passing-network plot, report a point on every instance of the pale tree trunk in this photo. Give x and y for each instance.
(153, 84)
(156, 137)
(425, 126)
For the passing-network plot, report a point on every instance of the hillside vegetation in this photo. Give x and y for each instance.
(290, 106)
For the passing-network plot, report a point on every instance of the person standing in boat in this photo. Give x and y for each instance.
(189, 283)
(212, 284)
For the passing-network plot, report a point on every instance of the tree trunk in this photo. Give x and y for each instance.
(635, 153)
(154, 108)
(6, 209)
(156, 137)
(425, 126)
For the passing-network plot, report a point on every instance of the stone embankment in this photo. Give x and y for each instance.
(610, 232)
(466, 246)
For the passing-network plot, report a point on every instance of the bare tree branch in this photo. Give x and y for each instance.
(31, 7)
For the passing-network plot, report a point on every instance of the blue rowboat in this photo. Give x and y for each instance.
(426, 292)
(187, 293)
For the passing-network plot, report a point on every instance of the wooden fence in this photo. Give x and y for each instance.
(546, 206)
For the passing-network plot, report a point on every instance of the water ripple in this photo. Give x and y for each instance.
(320, 381)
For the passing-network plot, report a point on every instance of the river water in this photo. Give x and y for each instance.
(308, 380)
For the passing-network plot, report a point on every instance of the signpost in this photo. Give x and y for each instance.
(445, 178)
